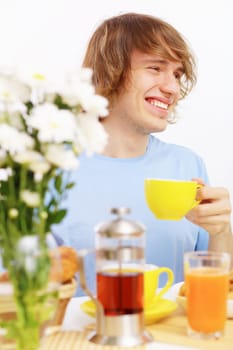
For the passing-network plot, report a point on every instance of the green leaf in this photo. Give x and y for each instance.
(60, 103)
(70, 185)
(58, 183)
(58, 216)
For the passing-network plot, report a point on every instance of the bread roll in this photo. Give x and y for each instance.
(64, 261)
(64, 264)
(182, 290)
(4, 277)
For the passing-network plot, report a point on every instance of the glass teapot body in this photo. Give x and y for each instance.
(120, 248)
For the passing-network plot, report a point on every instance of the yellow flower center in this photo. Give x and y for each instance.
(38, 76)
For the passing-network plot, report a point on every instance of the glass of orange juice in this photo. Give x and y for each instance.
(206, 278)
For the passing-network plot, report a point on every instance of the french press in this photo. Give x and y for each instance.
(120, 246)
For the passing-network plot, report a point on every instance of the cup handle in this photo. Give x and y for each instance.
(196, 202)
(170, 280)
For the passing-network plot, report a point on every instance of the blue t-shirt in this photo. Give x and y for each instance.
(104, 182)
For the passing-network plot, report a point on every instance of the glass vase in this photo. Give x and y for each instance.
(29, 284)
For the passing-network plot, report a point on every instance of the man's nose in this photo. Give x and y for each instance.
(169, 84)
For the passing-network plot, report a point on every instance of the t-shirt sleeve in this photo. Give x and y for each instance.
(202, 240)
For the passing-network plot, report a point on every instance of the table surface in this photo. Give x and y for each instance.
(171, 330)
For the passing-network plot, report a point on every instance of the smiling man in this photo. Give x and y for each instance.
(144, 67)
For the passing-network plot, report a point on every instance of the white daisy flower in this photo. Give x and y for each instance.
(4, 174)
(91, 135)
(64, 159)
(31, 199)
(13, 90)
(14, 141)
(53, 124)
(28, 157)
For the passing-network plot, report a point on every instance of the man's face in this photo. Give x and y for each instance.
(150, 94)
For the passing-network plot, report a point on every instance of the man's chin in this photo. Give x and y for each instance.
(160, 128)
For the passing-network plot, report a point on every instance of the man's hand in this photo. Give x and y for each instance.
(214, 215)
(214, 212)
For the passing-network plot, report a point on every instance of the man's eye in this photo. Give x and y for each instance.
(157, 69)
(178, 76)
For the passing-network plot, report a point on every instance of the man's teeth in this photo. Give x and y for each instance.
(159, 104)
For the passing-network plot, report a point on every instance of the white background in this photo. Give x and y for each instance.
(55, 32)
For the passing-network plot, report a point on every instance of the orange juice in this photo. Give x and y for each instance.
(207, 289)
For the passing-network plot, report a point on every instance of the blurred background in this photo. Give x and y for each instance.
(54, 34)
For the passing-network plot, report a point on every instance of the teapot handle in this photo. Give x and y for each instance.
(82, 279)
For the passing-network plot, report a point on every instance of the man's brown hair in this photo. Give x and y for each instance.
(110, 48)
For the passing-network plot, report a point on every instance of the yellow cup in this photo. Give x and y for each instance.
(151, 282)
(170, 199)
